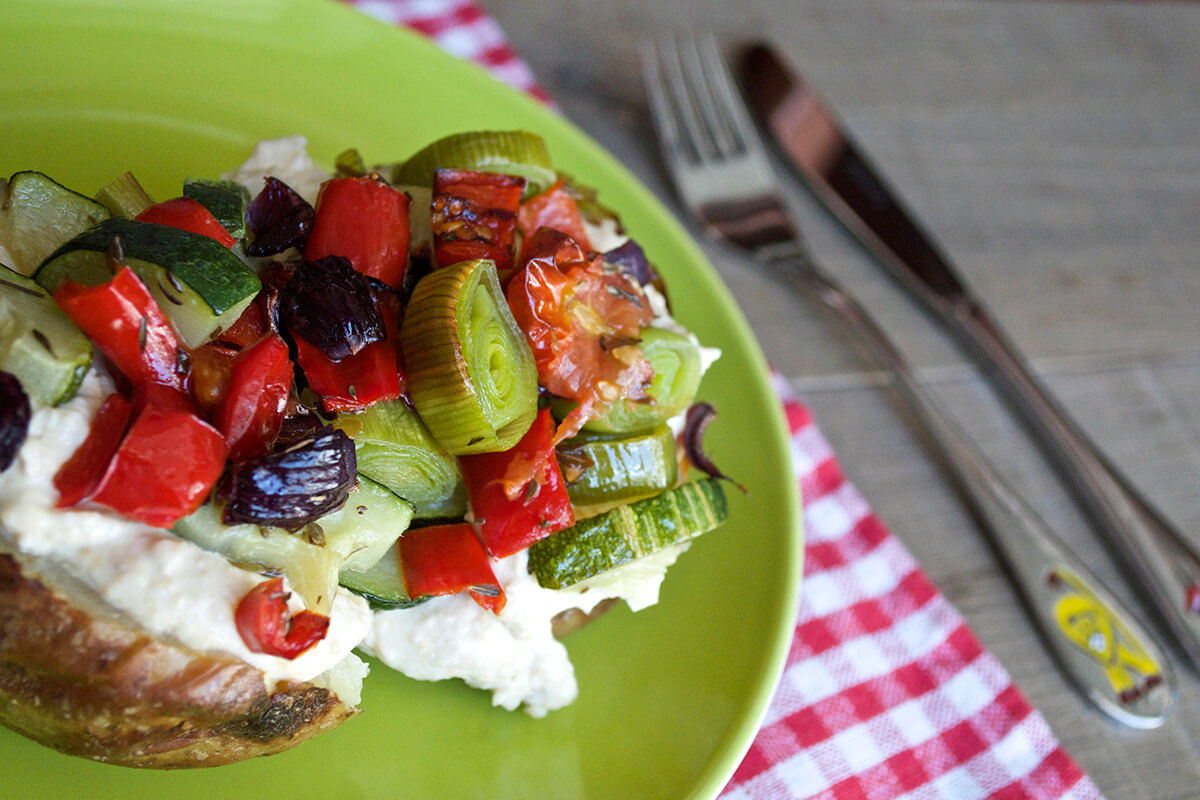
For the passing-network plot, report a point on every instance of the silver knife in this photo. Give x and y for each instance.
(815, 144)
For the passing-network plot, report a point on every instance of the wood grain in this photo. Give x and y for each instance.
(1054, 148)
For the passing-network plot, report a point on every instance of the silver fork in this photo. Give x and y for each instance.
(725, 179)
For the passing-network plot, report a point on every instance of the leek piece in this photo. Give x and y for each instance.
(507, 152)
(618, 468)
(471, 373)
(395, 448)
(124, 197)
(677, 370)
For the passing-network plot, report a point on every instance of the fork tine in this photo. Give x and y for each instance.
(661, 108)
(741, 126)
(702, 61)
(681, 89)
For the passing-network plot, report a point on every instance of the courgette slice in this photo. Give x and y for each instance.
(38, 214)
(627, 533)
(382, 586)
(618, 468)
(39, 343)
(355, 536)
(227, 200)
(200, 285)
(506, 152)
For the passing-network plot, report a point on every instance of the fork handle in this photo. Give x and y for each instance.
(1099, 643)
(1166, 563)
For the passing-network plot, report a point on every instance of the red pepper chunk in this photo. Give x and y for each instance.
(189, 215)
(251, 413)
(448, 559)
(164, 463)
(365, 221)
(372, 375)
(554, 208)
(167, 463)
(125, 322)
(474, 215)
(78, 477)
(265, 625)
(518, 496)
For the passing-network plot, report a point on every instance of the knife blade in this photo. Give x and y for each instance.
(816, 145)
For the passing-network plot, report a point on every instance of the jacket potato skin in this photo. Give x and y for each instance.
(90, 684)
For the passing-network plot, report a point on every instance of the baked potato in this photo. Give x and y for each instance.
(80, 678)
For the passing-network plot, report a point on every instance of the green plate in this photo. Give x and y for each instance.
(670, 698)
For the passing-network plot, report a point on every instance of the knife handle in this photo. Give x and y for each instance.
(1166, 563)
(1099, 643)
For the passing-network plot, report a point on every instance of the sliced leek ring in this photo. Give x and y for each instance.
(507, 152)
(677, 371)
(395, 448)
(470, 371)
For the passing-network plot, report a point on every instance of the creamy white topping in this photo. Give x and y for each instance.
(167, 585)
(285, 158)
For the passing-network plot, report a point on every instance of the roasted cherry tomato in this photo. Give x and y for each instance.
(518, 496)
(251, 413)
(554, 208)
(582, 324)
(266, 626)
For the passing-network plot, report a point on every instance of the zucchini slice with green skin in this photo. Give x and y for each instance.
(382, 586)
(626, 533)
(354, 537)
(201, 285)
(470, 371)
(37, 214)
(619, 467)
(506, 152)
(226, 200)
(40, 344)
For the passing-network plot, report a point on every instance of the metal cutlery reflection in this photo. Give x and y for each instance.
(726, 181)
(817, 146)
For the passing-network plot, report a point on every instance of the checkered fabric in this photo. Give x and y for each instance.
(886, 693)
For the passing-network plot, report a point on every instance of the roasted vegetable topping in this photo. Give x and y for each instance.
(470, 371)
(293, 487)
(277, 219)
(630, 260)
(365, 221)
(266, 625)
(697, 420)
(327, 304)
(126, 324)
(14, 418)
(474, 215)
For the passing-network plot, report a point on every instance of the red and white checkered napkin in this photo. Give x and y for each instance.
(886, 693)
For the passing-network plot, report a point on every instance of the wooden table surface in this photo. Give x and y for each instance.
(1054, 149)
